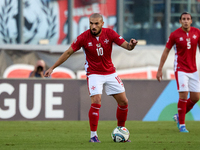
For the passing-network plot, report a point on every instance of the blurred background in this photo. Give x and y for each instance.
(43, 29)
(35, 30)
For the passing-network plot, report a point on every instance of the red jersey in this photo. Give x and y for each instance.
(185, 46)
(98, 50)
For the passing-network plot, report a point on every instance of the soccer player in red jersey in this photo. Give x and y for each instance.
(185, 40)
(97, 45)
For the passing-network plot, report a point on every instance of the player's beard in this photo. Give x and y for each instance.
(95, 34)
(186, 27)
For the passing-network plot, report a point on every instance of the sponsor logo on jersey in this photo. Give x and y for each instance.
(120, 37)
(181, 38)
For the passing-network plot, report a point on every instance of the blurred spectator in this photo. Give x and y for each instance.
(39, 70)
(158, 21)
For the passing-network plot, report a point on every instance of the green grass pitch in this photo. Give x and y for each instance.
(74, 135)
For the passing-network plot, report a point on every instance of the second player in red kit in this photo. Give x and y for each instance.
(185, 41)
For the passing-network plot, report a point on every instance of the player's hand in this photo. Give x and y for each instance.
(48, 72)
(133, 42)
(159, 75)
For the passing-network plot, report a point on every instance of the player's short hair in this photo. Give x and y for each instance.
(96, 15)
(184, 13)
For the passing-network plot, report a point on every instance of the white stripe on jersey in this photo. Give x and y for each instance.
(86, 62)
(176, 58)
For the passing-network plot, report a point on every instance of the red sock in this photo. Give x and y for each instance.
(182, 110)
(122, 112)
(94, 116)
(189, 105)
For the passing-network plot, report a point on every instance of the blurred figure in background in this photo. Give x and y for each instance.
(39, 70)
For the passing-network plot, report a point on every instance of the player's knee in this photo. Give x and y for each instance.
(194, 97)
(96, 102)
(123, 102)
(195, 100)
(96, 99)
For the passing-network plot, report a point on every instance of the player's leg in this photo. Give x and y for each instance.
(194, 88)
(94, 117)
(194, 98)
(95, 86)
(182, 80)
(182, 110)
(115, 87)
(122, 108)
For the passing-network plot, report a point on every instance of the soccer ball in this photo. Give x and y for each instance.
(120, 134)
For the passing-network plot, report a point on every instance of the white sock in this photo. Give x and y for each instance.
(181, 125)
(93, 133)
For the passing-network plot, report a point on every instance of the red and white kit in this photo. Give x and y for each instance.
(113, 84)
(185, 46)
(98, 50)
(99, 66)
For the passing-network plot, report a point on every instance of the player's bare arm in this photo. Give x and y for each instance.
(162, 62)
(61, 59)
(131, 45)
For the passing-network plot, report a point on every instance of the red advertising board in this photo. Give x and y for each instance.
(81, 12)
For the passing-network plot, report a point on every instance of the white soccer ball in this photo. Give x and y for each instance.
(120, 134)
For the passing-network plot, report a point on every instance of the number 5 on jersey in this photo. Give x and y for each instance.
(188, 43)
(99, 51)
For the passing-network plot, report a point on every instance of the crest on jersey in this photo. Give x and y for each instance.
(194, 36)
(106, 41)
